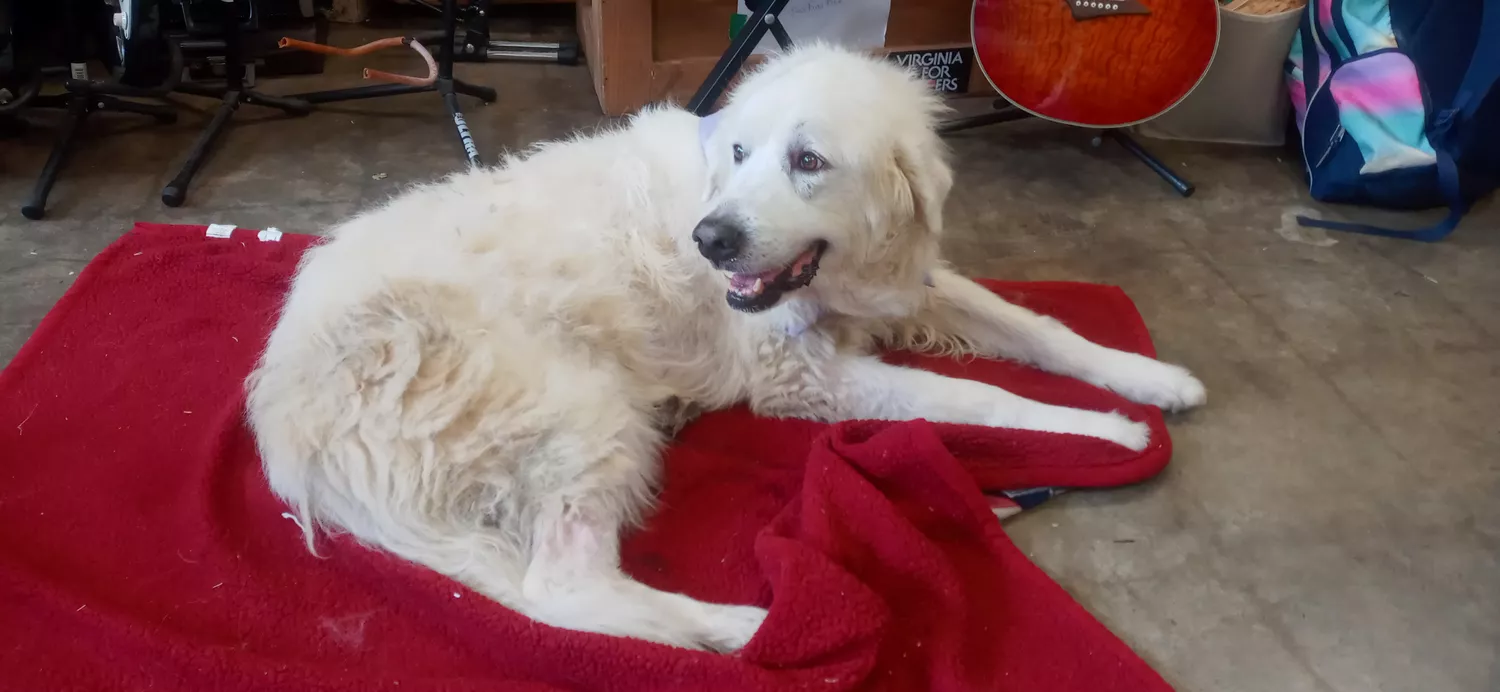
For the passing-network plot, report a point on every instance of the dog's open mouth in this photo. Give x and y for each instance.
(756, 292)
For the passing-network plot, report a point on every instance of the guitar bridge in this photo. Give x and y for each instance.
(1090, 9)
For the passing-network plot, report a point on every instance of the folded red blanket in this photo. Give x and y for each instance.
(140, 548)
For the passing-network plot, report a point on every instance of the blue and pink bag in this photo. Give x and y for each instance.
(1393, 99)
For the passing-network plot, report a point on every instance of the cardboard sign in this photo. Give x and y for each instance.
(946, 69)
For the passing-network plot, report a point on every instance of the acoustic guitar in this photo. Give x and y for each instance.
(1092, 63)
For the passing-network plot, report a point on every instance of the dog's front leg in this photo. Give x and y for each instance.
(959, 308)
(866, 388)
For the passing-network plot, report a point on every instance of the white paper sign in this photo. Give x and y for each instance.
(849, 23)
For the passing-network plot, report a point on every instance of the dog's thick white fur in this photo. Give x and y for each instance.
(479, 375)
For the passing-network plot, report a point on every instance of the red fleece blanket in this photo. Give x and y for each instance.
(140, 548)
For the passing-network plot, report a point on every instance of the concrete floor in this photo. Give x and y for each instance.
(1329, 522)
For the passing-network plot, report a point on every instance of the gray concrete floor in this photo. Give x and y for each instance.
(1330, 522)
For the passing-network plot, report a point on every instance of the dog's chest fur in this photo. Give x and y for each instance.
(699, 349)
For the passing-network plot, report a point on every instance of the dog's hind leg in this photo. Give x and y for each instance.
(474, 446)
(574, 581)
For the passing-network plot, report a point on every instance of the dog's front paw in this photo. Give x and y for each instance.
(1166, 386)
(1125, 432)
(1175, 389)
(731, 627)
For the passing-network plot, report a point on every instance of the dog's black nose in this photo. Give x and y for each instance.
(719, 240)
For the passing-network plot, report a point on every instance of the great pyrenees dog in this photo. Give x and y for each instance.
(479, 375)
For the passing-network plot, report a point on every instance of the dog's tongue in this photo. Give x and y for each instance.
(742, 282)
(751, 284)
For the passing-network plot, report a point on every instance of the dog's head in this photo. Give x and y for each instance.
(827, 176)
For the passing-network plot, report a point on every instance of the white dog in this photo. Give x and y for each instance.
(479, 376)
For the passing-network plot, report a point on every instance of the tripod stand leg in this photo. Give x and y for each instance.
(778, 30)
(483, 93)
(1001, 115)
(207, 92)
(450, 99)
(78, 110)
(372, 91)
(1182, 187)
(734, 57)
(290, 106)
(163, 113)
(176, 191)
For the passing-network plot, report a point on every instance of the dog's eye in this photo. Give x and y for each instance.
(808, 161)
(739, 153)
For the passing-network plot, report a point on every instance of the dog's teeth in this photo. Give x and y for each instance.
(757, 287)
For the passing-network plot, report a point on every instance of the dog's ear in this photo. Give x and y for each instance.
(924, 179)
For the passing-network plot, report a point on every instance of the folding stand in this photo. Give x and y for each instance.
(446, 85)
(1005, 112)
(233, 93)
(761, 20)
(85, 97)
(765, 19)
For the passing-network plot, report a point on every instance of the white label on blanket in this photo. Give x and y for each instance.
(220, 230)
(270, 235)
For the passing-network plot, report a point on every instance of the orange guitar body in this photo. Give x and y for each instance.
(1095, 64)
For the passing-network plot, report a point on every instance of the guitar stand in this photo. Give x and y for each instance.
(85, 97)
(1005, 112)
(231, 95)
(79, 105)
(764, 19)
(1182, 186)
(445, 85)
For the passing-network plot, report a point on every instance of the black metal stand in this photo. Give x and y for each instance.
(1182, 186)
(83, 98)
(79, 105)
(231, 95)
(1005, 112)
(765, 19)
(446, 85)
